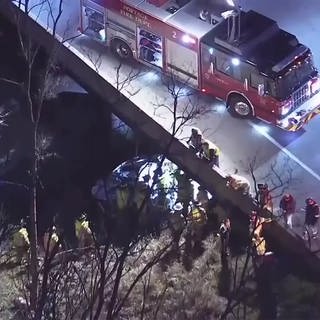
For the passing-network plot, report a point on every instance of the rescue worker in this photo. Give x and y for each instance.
(176, 225)
(253, 221)
(196, 221)
(185, 192)
(311, 218)
(256, 232)
(264, 197)
(140, 199)
(163, 188)
(21, 242)
(211, 153)
(122, 196)
(237, 182)
(202, 197)
(258, 240)
(165, 182)
(224, 234)
(288, 207)
(51, 241)
(195, 140)
(83, 231)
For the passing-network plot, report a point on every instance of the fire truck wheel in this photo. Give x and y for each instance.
(121, 49)
(239, 107)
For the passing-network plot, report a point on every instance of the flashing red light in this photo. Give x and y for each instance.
(203, 90)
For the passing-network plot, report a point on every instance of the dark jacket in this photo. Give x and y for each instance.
(312, 214)
(288, 205)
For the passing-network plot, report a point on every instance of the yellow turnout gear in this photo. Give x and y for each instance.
(198, 215)
(21, 238)
(83, 233)
(50, 241)
(20, 244)
(258, 240)
(208, 145)
(122, 197)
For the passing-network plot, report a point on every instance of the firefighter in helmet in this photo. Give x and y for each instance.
(177, 224)
(21, 242)
(51, 241)
(211, 153)
(195, 140)
(312, 217)
(83, 231)
(224, 234)
(122, 196)
(264, 197)
(185, 191)
(288, 207)
(203, 197)
(257, 224)
(196, 221)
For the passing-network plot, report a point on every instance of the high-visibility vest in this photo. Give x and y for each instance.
(140, 198)
(122, 198)
(82, 227)
(198, 215)
(83, 233)
(211, 146)
(21, 238)
(259, 241)
(215, 148)
(260, 244)
(166, 181)
(52, 242)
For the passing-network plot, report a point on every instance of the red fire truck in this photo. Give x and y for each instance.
(241, 57)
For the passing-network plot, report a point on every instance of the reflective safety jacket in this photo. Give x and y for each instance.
(82, 227)
(21, 238)
(166, 181)
(211, 146)
(260, 245)
(122, 198)
(198, 215)
(50, 243)
(258, 240)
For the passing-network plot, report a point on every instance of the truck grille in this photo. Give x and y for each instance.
(300, 96)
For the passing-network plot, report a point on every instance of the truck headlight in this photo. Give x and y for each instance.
(285, 109)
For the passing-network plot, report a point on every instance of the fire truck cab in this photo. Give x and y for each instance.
(261, 70)
(241, 57)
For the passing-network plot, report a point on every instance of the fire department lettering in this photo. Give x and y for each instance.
(135, 15)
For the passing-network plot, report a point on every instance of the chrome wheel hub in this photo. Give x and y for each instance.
(122, 51)
(242, 108)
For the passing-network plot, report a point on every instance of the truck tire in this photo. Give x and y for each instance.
(121, 49)
(240, 107)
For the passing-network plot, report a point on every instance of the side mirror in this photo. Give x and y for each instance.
(261, 91)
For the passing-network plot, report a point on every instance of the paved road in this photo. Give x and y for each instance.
(240, 141)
